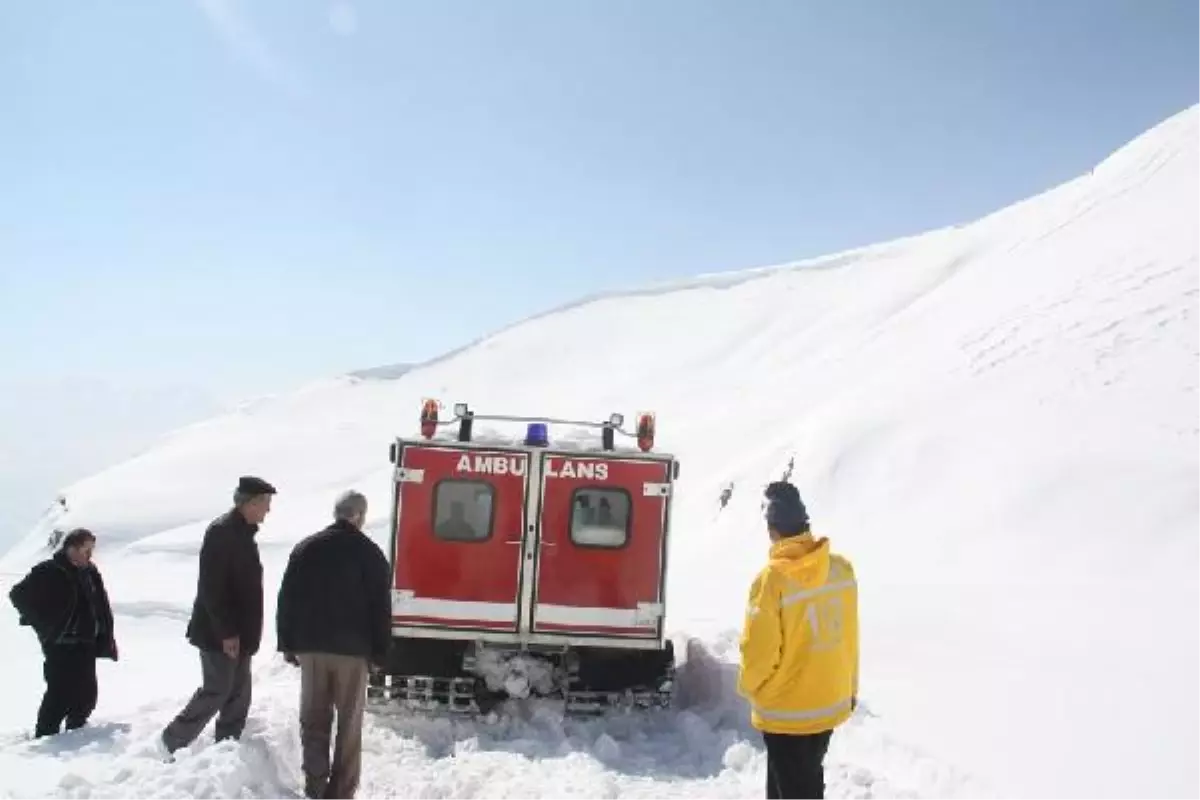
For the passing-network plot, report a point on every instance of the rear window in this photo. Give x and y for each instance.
(600, 517)
(462, 511)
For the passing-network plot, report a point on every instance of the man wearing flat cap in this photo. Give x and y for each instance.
(227, 618)
(799, 666)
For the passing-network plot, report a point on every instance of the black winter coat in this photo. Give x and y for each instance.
(229, 588)
(336, 596)
(66, 605)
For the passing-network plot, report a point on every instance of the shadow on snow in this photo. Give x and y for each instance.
(103, 737)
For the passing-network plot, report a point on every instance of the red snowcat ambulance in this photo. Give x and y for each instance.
(524, 567)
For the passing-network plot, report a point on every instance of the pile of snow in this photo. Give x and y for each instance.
(517, 674)
(997, 422)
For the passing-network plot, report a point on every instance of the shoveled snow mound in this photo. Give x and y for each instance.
(997, 422)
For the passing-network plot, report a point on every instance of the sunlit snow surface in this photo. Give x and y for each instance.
(529, 750)
(997, 422)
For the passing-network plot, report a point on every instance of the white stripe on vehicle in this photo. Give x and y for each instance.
(403, 602)
(643, 616)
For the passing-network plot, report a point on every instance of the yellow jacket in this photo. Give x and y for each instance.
(799, 645)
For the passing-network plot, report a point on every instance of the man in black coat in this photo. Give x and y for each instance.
(64, 600)
(333, 617)
(227, 619)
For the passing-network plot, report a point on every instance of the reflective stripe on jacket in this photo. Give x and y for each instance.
(799, 645)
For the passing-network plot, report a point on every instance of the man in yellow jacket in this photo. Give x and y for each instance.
(799, 648)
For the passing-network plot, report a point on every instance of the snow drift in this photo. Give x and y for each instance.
(997, 422)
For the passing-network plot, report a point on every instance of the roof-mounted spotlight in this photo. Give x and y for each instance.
(608, 431)
(465, 417)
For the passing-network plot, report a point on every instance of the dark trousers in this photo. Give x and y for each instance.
(224, 693)
(329, 683)
(796, 764)
(70, 673)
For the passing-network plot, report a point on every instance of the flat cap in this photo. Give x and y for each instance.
(248, 484)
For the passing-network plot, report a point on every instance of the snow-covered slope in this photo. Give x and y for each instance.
(997, 422)
(96, 421)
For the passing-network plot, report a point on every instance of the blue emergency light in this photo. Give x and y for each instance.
(536, 435)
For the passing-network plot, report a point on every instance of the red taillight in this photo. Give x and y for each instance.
(429, 418)
(645, 431)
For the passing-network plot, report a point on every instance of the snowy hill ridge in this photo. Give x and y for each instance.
(997, 421)
(1162, 142)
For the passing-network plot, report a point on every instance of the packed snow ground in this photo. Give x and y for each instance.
(997, 422)
(705, 750)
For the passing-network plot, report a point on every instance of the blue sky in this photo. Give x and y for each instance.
(243, 196)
